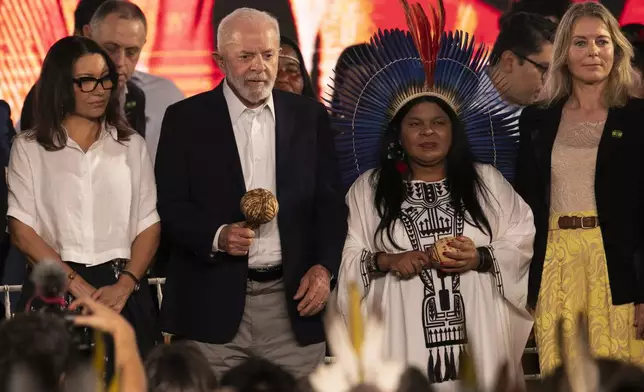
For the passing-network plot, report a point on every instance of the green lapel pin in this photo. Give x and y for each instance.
(617, 133)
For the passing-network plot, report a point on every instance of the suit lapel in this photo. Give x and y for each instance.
(284, 127)
(610, 140)
(543, 138)
(226, 138)
(547, 138)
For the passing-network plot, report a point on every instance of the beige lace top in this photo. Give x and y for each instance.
(574, 156)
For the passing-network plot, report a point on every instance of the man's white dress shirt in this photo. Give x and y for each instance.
(88, 206)
(255, 137)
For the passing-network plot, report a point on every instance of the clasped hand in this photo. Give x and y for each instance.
(235, 239)
(113, 296)
(408, 264)
(463, 258)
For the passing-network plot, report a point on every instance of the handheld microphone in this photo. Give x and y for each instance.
(51, 285)
(50, 281)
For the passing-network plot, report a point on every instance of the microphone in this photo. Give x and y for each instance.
(51, 285)
(50, 278)
(50, 281)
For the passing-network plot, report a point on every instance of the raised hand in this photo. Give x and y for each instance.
(235, 239)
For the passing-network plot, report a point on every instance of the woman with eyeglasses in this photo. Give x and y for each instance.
(81, 188)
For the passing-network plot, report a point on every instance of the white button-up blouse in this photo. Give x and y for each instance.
(88, 206)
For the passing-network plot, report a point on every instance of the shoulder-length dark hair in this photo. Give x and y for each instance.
(308, 89)
(463, 180)
(54, 95)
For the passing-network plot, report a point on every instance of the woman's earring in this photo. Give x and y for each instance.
(397, 153)
(391, 153)
(400, 152)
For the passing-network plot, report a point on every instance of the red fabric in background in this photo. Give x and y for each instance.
(633, 12)
(184, 43)
(27, 29)
(388, 14)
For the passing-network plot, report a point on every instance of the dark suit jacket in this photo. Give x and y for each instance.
(134, 109)
(200, 184)
(619, 193)
(7, 132)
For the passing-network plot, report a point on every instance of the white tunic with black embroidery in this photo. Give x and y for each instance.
(431, 318)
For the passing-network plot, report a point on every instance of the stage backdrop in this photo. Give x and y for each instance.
(181, 35)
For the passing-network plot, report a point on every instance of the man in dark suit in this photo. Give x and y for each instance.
(239, 292)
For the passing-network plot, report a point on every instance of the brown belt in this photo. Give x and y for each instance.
(578, 222)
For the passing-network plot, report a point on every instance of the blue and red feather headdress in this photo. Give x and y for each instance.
(399, 66)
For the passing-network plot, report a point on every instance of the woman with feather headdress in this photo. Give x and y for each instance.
(437, 236)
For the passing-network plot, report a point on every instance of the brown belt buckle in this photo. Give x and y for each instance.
(590, 218)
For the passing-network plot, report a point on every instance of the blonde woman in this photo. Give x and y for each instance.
(581, 169)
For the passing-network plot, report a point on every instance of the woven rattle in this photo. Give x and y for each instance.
(259, 206)
(436, 252)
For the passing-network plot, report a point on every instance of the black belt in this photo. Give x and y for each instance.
(267, 274)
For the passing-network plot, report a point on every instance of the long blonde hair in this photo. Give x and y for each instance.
(622, 78)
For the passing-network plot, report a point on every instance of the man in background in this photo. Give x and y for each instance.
(521, 56)
(159, 92)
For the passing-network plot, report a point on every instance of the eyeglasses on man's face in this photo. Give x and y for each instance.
(540, 67)
(87, 84)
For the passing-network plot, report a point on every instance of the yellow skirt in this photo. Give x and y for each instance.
(575, 279)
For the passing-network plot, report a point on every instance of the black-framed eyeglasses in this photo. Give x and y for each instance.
(87, 84)
(542, 68)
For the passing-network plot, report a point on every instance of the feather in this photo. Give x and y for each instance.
(390, 72)
(98, 359)
(467, 370)
(351, 368)
(397, 67)
(356, 326)
(426, 34)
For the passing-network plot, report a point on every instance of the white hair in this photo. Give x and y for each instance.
(243, 15)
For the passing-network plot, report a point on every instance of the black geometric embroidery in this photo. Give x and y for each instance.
(427, 215)
(365, 257)
(496, 271)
